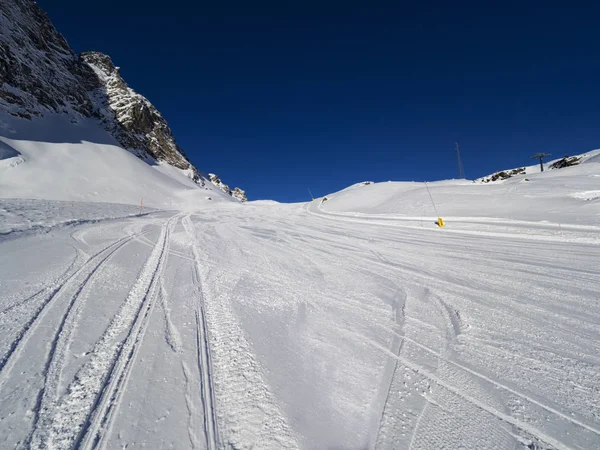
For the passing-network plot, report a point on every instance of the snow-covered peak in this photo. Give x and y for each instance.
(41, 75)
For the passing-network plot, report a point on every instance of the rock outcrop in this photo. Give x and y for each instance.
(38, 70)
(39, 73)
(503, 175)
(239, 194)
(132, 119)
(567, 161)
(235, 193)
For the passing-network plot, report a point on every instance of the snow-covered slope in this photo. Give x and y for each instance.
(274, 326)
(565, 196)
(59, 160)
(555, 164)
(41, 78)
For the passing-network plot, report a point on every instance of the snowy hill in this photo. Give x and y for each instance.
(49, 95)
(556, 164)
(51, 158)
(566, 196)
(350, 322)
(347, 323)
(344, 324)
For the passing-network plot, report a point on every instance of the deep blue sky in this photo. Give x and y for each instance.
(279, 96)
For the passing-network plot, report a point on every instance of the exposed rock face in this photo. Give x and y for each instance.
(235, 193)
(134, 121)
(217, 182)
(239, 194)
(40, 73)
(38, 69)
(567, 161)
(503, 175)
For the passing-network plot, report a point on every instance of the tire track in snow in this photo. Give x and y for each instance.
(453, 327)
(103, 416)
(206, 386)
(78, 417)
(406, 404)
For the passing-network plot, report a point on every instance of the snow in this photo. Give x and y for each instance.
(553, 196)
(349, 323)
(53, 158)
(592, 156)
(586, 195)
(19, 215)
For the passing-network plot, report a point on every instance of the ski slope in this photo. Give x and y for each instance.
(351, 323)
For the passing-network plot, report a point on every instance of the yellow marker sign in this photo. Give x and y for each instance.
(440, 222)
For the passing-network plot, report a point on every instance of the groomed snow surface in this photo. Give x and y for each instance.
(351, 323)
(286, 326)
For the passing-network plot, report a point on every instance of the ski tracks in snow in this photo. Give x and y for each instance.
(202, 347)
(68, 286)
(82, 415)
(433, 400)
(247, 416)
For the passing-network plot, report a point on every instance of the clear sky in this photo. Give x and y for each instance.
(276, 97)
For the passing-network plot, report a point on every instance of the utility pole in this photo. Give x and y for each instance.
(541, 156)
(461, 171)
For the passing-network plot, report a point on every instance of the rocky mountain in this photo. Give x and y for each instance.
(40, 74)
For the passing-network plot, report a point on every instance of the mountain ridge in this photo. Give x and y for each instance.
(40, 73)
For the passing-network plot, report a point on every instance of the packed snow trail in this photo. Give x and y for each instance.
(285, 326)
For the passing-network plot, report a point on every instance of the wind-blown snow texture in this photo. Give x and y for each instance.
(349, 323)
